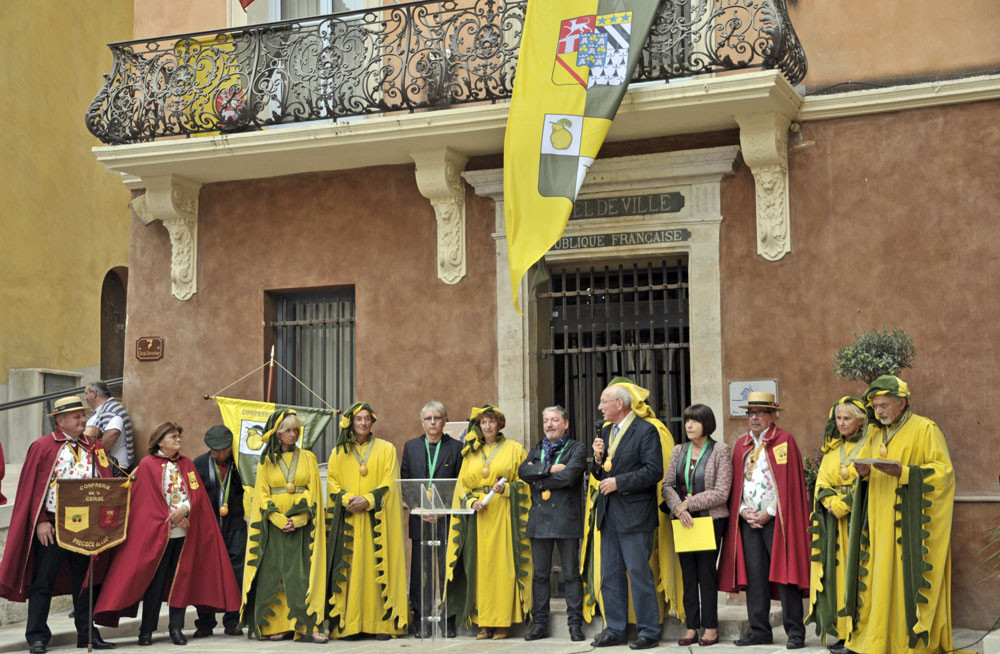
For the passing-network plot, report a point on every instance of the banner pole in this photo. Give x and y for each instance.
(90, 603)
(270, 378)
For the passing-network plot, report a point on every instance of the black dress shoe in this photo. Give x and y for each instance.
(837, 645)
(537, 632)
(177, 637)
(607, 640)
(752, 639)
(230, 631)
(451, 631)
(97, 641)
(644, 643)
(145, 638)
(202, 632)
(383, 637)
(37, 647)
(575, 632)
(795, 643)
(842, 650)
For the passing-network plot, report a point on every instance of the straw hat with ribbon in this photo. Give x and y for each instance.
(67, 404)
(761, 400)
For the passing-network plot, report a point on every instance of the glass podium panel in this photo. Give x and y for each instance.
(431, 500)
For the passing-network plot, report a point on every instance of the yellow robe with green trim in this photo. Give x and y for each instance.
(307, 476)
(500, 599)
(881, 624)
(374, 587)
(829, 477)
(664, 562)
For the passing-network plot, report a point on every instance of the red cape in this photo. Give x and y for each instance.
(790, 549)
(18, 566)
(204, 576)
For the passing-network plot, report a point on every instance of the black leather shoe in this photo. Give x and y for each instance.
(575, 632)
(537, 632)
(37, 647)
(607, 640)
(644, 643)
(177, 637)
(837, 645)
(451, 631)
(98, 642)
(145, 638)
(383, 637)
(752, 639)
(231, 631)
(202, 632)
(842, 650)
(795, 643)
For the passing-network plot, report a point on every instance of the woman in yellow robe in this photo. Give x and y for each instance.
(364, 515)
(832, 499)
(488, 578)
(284, 583)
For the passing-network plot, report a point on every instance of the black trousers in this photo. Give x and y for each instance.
(757, 554)
(49, 560)
(700, 573)
(569, 557)
(152, 599)
(421, 594)
(236, 544)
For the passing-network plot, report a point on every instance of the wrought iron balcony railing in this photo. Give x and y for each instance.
(418, 55)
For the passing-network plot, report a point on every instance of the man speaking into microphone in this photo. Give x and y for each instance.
(628, 463)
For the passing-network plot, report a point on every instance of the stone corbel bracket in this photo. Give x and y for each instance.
(764, 142)
(439, 179)
(174, 201)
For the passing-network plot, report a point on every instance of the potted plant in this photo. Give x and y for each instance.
(874, 354)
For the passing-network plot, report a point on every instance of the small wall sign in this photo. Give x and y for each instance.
(738, 391)
(149, 348)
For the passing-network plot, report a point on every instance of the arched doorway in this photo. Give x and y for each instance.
(113, 323)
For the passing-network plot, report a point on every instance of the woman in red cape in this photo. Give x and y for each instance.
(166, 554)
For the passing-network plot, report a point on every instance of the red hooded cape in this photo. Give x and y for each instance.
(18, 566)
(204, 576)
(790, 549)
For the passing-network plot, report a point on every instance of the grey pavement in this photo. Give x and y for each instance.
(64, 639)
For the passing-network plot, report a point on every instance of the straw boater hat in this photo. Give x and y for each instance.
(761, 400)
(67, 404)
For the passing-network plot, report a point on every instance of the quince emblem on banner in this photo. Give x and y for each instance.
(104, 498)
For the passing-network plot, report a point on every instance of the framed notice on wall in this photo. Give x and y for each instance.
(738, 391)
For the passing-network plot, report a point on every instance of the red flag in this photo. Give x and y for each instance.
(245, 4)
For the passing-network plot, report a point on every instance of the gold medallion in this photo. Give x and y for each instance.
(430, 494)
(364, 470)
(224, 510)
(175, 498)
(607, 466)
(546, 494)
(748, 475)
(290, 487)
(883, 451)
(845, 472)
(486, 471)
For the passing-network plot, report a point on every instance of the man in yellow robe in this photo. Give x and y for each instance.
(367, 593)
(898, 595)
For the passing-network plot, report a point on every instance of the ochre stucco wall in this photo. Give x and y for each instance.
(417, 337)
(154, 18)
(63, 221)
(894, 222)
(860, 40)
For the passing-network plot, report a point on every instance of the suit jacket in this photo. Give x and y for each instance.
(414, 466)
(637, 468)
(718, 480)
(560, 516)
(233, 521)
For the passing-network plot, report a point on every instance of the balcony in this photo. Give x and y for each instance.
(419, 56)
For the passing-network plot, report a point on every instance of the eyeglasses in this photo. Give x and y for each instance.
(175, 437)
(433, 418)
(757, 412)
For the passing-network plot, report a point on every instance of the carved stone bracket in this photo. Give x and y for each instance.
(439, 179)
(174, 201)
(764, 141)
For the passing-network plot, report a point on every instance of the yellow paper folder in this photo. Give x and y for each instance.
(699, 537)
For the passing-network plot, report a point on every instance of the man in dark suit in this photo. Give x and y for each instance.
(628, 463)
(225, 490)
(554, 468)
(432, 455)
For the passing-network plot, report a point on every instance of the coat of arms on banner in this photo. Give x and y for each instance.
(77, 518)
(593, 50)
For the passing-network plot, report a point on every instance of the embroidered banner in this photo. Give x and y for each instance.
(92, 514)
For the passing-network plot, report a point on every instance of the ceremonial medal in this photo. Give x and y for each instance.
(224, 510)
(363, 460)
(175, 498)
(845, 472)
(546, 494)
(290, 487)
(883, 451)
(607, 466)
(430, 494)
(748, 475)
(486, 472)
(81, 467)
(364, 470)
